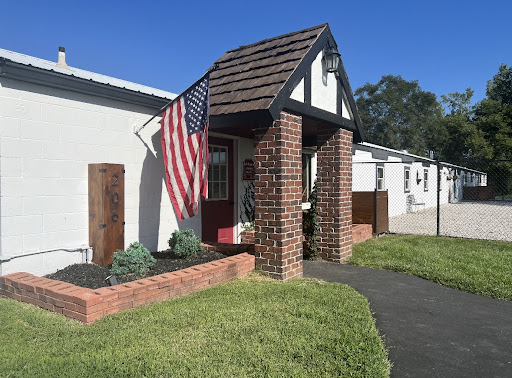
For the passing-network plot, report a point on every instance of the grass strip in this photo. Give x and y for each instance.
(475, 266)
(249, 327)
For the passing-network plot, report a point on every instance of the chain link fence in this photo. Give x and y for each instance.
(461, 199)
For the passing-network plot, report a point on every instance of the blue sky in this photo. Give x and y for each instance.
(446, 45)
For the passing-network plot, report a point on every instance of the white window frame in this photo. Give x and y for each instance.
(380, 180)
(407, 180)
(425, 180)
(226, 148)
(309, 170)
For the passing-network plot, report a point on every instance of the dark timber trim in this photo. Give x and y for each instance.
(307, 87)
(300, 72)
(319, 114)
(245, 120)
(339, 97)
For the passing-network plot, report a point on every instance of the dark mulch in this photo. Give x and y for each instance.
(93, 276)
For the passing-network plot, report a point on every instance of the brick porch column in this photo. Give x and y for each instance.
(278, 197)
(334, 200)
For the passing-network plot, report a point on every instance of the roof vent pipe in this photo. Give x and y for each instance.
(62, 58)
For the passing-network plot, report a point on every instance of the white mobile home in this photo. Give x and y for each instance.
(411, 180)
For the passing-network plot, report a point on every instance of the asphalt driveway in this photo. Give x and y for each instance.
(430, 330)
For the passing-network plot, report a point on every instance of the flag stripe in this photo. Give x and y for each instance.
(170, 180)
(184, 131)
(178, 164)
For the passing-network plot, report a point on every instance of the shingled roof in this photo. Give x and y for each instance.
(251, 85)
(250, 77)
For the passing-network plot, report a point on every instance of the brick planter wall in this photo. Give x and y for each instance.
(88, 305)
(361, 233)
(334, 201)
(247, 237)
(278, 197)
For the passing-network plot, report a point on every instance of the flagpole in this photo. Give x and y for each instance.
(137, 130)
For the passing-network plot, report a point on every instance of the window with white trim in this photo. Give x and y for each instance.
(307, 180)
(380, 177)
(425, 180)
(407, 179)
(218, 173)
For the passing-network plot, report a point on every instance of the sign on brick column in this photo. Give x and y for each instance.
(334, 198)
(278, 197)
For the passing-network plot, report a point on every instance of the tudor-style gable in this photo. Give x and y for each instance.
(253, 84)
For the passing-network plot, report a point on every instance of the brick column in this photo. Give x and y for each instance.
(334, 201)
(278, 197)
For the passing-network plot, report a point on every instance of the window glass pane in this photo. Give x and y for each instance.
(306, 176)
(216, 174)
(215, 190)
(222, 156)
(223, 190)
(223, 173)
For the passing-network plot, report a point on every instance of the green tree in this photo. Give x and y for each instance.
(462, 135)
(493, 118)
(398, 114)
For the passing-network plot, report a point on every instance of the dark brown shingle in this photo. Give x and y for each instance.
(250, 77)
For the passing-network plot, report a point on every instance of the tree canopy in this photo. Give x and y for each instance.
(398, 114)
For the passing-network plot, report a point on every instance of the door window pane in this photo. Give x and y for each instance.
(218, 173)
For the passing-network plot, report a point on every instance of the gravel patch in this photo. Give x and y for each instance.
(487, 220)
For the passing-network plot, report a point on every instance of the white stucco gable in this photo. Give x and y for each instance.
(325, 91)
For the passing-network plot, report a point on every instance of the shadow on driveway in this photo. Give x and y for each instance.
(429, 329)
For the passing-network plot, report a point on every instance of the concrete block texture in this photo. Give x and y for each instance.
(48, 137)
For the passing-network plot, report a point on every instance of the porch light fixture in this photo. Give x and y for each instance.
(418, 178)
(332, 58)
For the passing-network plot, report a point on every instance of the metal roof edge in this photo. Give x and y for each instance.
(28, 73)
(378, 147)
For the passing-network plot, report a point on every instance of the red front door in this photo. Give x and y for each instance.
(217, 215)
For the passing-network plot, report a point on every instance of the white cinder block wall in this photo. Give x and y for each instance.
(47, 139)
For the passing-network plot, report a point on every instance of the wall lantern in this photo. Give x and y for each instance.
(332, 59)
(418, 178)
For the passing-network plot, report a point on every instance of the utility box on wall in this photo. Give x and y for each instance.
(106, 211)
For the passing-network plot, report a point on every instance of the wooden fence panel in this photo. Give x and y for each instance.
(371, 208)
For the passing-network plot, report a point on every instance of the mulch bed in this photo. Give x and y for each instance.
(93, 276)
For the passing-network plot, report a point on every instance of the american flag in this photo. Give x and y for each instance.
(184, 129)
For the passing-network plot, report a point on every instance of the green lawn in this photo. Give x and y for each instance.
(250, 327)
(476, 266)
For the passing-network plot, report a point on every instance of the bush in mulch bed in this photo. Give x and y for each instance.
(93, 276)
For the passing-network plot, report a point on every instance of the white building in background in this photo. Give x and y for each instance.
(411, 180)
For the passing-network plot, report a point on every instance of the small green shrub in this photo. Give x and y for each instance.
(136, 259)
(185, 244)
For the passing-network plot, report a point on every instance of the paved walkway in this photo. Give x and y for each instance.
(430, 330)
